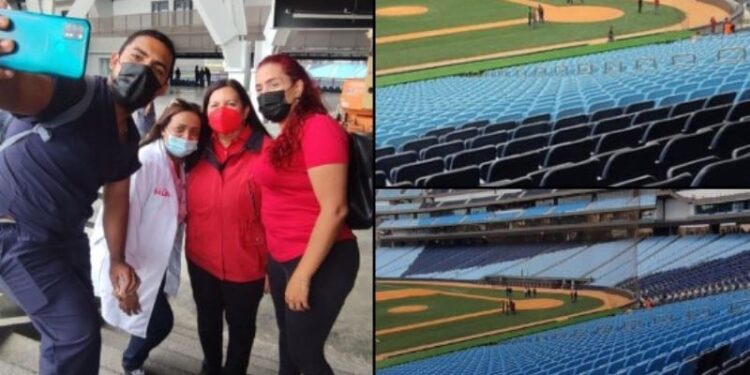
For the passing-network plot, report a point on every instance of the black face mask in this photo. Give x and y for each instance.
(135, 86)
(273, 105)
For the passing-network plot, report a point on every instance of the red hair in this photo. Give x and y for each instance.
(309, 103)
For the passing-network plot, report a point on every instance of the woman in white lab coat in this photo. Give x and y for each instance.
(155, 235)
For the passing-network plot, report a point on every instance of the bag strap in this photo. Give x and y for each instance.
(67, 117)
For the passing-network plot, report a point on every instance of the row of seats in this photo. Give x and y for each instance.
(715, 132)
(719, 65)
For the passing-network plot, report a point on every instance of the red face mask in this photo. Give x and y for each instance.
(225, 120)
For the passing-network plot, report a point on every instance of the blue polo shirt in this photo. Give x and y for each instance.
(50, 187)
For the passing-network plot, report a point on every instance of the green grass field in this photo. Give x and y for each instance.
(439, 306)
(484, 42)
(442, 13)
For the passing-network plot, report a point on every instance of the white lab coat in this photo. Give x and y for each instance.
(154, 241)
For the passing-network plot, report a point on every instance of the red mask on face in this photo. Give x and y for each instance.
(225, 120)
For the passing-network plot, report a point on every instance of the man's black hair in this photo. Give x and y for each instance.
(158, 35)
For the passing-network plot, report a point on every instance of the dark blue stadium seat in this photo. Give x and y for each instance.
(573, 174)
(384, 151)
(461, 177)
(687, 107)
(441, 150)
(462, 134)
(607, 113)
(528, 130)
(537, 118)
(569, 134)
(741, 151)
(724, 174)
(683, 148)
(507, 125)
(664, 128)
(380, 179)
(721, 99)
(612, 124)
(386, 163)
(491, 139)
(573, 151)
(730, 137)
(739, 111)
(525, 144)
(411, 172)
(638, 107)
(692, 167)
(628, 137)
(706, 117)
(570, 121)
(470, 157)
(630, 163)
(651, 115)
(513, 166)
(680, 181)
(475, 124)
(419, 144)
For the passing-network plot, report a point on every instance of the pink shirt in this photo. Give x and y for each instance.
(289, 207)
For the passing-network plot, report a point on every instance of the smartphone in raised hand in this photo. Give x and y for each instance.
(46, 44)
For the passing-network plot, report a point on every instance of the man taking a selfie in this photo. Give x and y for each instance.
(49, 179)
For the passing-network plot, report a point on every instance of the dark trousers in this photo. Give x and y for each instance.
(214, 299)
(159, 327)
(51, 282)
(302, 335)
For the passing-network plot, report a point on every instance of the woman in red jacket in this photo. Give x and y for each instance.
(314, 255)
(225, 244)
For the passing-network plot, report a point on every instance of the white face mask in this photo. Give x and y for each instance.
(179, 147)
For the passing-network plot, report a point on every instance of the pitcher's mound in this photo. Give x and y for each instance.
(400, 11)
(407, 309)
(537, 303)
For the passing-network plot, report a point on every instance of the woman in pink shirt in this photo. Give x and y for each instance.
(314, 256)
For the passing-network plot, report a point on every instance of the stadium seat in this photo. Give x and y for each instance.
(475, 124)
(573, 174)
(507, 125)
(664, 128)
(439, 132)
(638, 107)
(569, 134)
(683, 148)
(380, 179)
(612, 124)
(651, 115)
(721, 99)
(691, 167)
(527, 130)
(386, 163)
(570, 121)
(611, 141)
(739, 111)
(687, 107)
(630, 163)
(607, 113)
(730, 137)
(441, 150)
(514, 166)
(411, 172)
(460, 177)
(462, 134)
(384, 151)
(471, 157)
(525, 144)
(538, 118)
(706, 117)
(419, 144)
(740, 151)
(724, 174)
(573, 151)
(492, 139)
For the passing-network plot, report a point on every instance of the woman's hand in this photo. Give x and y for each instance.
(297, 292)
(130, 304)
(6, 45)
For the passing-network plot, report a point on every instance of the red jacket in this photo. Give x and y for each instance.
(224, 233)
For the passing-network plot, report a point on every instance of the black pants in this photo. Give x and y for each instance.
(159, 327)
(302, 335)
(239, 301)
